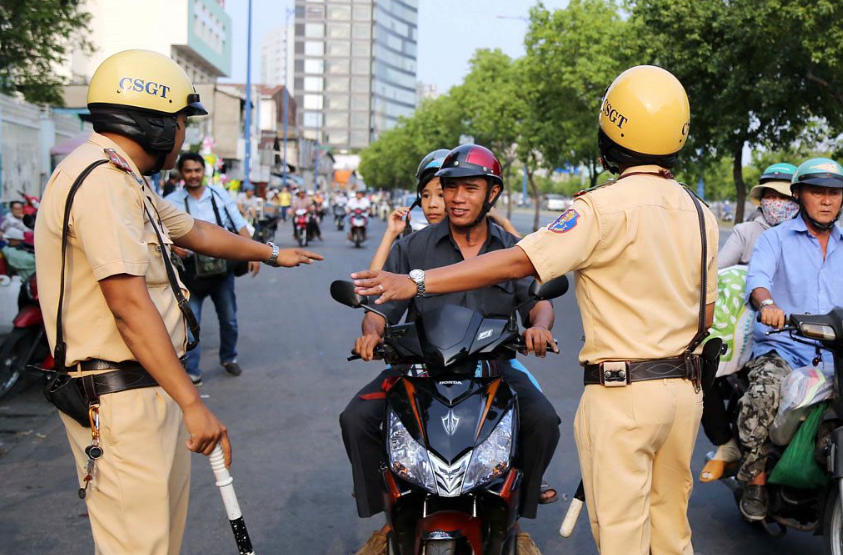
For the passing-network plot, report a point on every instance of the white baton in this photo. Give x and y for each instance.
(229, 498)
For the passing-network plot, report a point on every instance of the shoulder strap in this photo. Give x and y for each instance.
(60, 351)
(217, 213)
(702, 332)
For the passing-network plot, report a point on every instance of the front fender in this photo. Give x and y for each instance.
(451, 524)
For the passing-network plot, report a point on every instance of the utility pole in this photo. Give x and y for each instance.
(247, 162)
(289, 12)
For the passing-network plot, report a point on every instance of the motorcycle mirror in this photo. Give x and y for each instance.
(550, 289)
(343, 293)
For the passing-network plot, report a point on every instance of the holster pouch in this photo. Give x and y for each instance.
(710, 362)
(65, 393)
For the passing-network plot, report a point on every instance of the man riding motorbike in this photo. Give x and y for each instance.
(471, 183)
(795, 268)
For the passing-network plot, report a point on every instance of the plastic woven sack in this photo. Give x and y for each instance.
(797, 467)
(732, 320)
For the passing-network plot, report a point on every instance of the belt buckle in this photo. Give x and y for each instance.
(614, 374)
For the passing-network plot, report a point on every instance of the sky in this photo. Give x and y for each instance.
(449, 33)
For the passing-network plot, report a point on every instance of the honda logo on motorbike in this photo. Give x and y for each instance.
(450, 422)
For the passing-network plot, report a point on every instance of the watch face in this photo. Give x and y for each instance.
(417, 274)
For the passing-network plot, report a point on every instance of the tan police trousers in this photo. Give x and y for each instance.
(137, 501)
(635, 445)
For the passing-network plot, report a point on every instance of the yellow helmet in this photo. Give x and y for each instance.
(144, 80)
(645, 111)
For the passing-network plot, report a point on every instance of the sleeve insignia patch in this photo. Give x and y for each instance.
(117, 160)
(566, 222)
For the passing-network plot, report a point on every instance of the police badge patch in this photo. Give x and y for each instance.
(566, 222)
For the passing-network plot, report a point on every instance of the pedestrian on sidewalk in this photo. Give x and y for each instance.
(208, 276)
(103, 256)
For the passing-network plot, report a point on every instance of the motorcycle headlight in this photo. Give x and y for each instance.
(491, 458)
(407, 458)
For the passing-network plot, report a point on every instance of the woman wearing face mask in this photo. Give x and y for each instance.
(772, 195)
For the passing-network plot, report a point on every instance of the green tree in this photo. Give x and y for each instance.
(746, 65)
(34, 38)
(572, 55)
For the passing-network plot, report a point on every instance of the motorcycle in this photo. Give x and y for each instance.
(451, 485)
(819, 510)
(302, 227)
(265, 228)
(358, 221)
(339, 216)
(27, 343)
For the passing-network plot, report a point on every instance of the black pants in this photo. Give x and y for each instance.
(361, 423)
(714, 420)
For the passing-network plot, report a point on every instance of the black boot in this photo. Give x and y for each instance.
(753, 503)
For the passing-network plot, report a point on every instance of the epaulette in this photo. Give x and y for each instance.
(118, 161)
(693, 193)
(590, 189)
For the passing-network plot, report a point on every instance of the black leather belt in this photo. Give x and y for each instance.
(621, 373)
(124, 376)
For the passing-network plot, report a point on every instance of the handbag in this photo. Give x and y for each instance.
(62, 391)
(208, 266)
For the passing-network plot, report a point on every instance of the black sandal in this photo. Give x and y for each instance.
(545, 487)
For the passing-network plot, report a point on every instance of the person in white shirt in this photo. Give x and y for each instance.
(359, 201)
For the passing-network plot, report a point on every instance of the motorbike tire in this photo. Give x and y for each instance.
(357, 239)
(833, 522)
(14, 348)
(439, 547)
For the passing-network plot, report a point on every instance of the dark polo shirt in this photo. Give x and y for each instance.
(434, 247)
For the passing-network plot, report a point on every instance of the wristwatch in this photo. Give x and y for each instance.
(274, 256)
(766, 302)
(418, 277)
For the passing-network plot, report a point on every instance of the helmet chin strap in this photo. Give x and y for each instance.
(815, 223)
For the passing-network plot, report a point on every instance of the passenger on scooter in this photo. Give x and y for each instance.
(776, 204)
(472, 182)
(795, 268)
(358, 202)
(21, 257)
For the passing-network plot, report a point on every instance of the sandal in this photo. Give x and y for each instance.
(545, 488)
(715, 469)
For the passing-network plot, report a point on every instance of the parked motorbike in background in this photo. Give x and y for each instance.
(452, 484)
(27, 343)
(817, 510)
(358, 221)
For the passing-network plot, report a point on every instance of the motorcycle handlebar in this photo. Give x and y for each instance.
(379, 352)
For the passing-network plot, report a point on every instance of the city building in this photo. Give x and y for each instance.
(425, 91)
(195, 33)
(277, 56)
(355, 68)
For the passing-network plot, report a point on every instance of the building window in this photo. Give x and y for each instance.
(359, 139)
(339, 12)
(315, 12)
(360, 84)
(362, 13)
(312, 119)
(339, 30)
(362, 31)
(314, 66)
(336, 119)
(360, 65)
(313, 102)
(314, 84)
(360, 119)
(313, 48)
(314, 30)
(361, 49)
(337, 84)
(337, 48)
(359, 102)
(337, 67)
(337, 137)
(337, 102)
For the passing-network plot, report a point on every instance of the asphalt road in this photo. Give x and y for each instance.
(290, 469)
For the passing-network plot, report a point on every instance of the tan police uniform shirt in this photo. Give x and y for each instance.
(110, 234)
(634, 247)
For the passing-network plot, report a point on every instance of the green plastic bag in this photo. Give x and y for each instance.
(797, 467)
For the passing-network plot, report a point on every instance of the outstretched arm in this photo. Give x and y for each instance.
(482, 271)
(395, 226)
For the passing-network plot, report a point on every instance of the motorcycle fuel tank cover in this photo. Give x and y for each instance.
(456, 415)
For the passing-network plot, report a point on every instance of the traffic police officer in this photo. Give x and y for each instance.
(119, 318)
(635, 247)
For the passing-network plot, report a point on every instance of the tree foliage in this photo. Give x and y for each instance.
(34, 38)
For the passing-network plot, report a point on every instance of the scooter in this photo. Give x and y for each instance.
(819, 510)
(451, 485)
(339, 217)
(27, 343)
(358, 221)
(301, 227)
